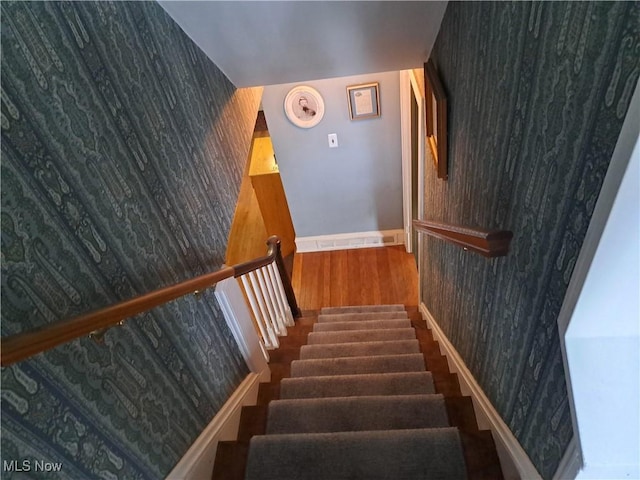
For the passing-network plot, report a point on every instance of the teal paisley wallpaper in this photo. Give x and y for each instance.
(537, 94)
(123, 148)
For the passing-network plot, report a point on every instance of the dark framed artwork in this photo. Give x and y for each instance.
(436, 113)
(364, 101)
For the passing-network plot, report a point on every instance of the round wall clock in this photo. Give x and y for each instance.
(304, 106)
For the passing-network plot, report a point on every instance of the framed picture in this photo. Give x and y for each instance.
(304, 106)
(436, 112)
(364, 101)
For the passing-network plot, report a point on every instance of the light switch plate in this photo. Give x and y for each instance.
(333, 140)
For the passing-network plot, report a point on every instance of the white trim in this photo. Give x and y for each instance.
(515, 462)
(422, 146)
(343, 241)
(405, 134)
(197, 463)
(236, 313)
(422, 135)
(571, 462)
(409, 84)
(604, 284)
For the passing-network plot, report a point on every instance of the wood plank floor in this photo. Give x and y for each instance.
(363, 276)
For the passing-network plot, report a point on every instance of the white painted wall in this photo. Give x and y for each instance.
(603, 335)
(267, 42)
(356, 187)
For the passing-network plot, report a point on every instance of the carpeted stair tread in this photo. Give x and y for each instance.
(362, 325)
(372, 455)
(356, 402)
(345, 414)
(363, 308)
(351, 336)
(399, 383)
(359, 317)
(359, 349)
(351, 365)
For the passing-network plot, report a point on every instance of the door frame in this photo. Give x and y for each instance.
(409, 86)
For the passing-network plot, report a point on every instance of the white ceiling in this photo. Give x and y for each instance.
(267, 42)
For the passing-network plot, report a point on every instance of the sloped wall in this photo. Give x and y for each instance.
(122, 154)
(537, 96)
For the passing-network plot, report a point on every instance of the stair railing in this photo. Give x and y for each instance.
(273, 290)
(489, 243)
(266, 294)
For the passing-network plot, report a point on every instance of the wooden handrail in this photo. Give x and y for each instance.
(489, 243)
(24, 345)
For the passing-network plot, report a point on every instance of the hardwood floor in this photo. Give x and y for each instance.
(364, 276)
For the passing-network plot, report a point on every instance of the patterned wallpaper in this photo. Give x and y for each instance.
(537, 94)
(122, 154)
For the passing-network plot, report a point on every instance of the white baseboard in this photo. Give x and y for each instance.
(516, 464)
(343, 241)
(197, 463)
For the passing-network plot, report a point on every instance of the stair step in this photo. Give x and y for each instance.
(359, 349)
(481, 456)
(362, 325)
(363, 308)
(447, 384)
(436, 363)
(482, 461)
(352, 365)
(230, 461)
(351, 336)
(345, 414)
(478, 447)
(358, 317)
(401, 383)
(461, 414)
(253, 421)
(267, 392)
(371, 455)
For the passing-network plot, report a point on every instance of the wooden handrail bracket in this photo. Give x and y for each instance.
(24, 345)
(489, 243)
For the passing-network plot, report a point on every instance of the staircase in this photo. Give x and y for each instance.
(359, 393)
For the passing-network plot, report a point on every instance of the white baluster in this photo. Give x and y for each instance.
(282, 296)
(282, 304)
(259, 310)
(273, 292)
(258, 286)
(280, 328)
(276, 294)
(264, 334)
